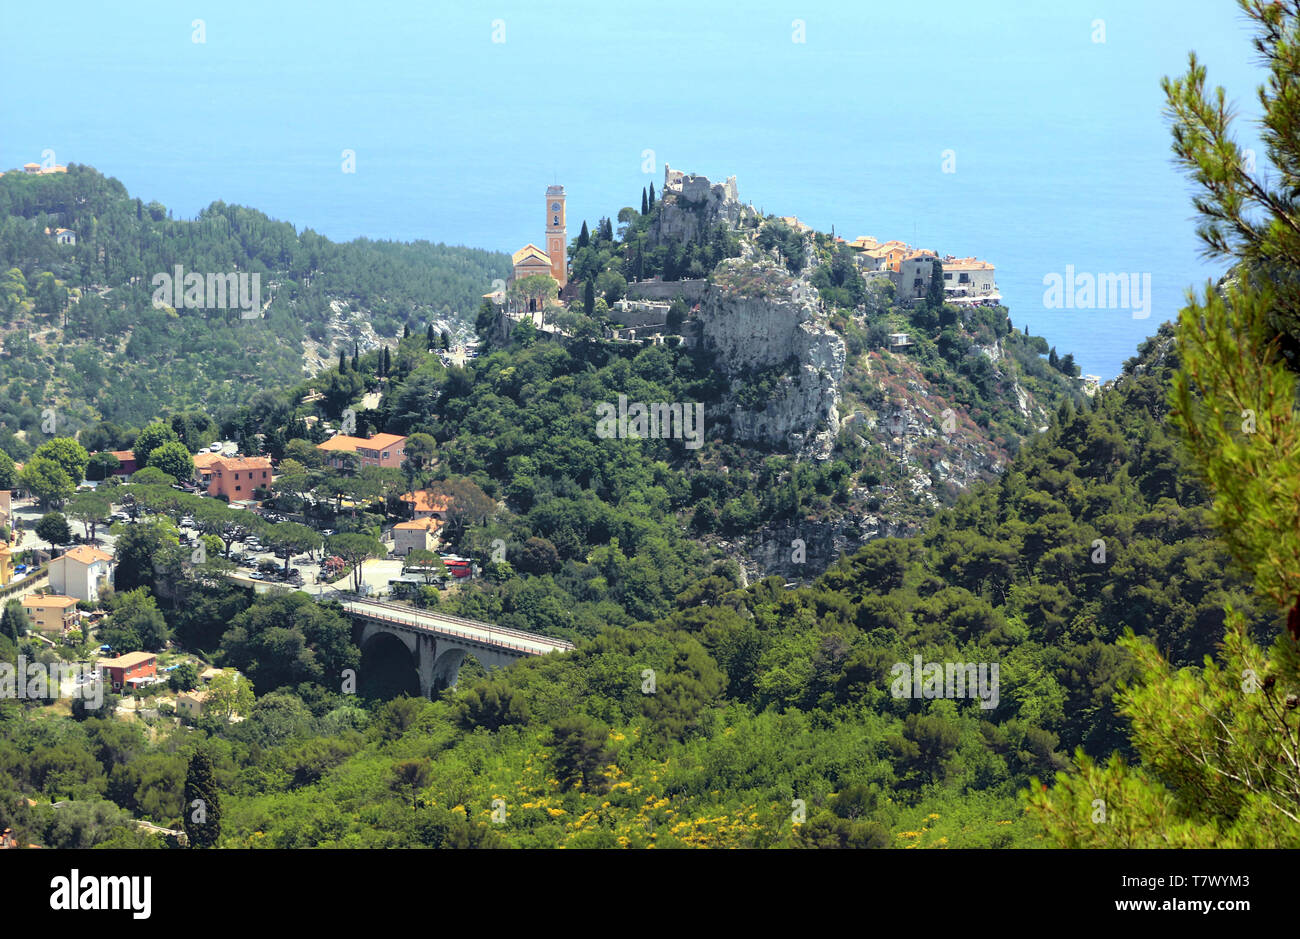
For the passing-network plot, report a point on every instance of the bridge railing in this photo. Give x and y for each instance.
(492, 640)
(472, 624)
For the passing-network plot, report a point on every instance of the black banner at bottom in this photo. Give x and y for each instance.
(341, 887)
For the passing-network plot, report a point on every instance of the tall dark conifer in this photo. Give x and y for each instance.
(202, 811)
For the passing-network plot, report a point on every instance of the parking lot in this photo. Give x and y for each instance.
(253, 560)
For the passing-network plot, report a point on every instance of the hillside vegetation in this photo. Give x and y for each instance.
(759, 696)
(81, 334)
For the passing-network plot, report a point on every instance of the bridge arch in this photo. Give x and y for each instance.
(446, 669)
(390, 664)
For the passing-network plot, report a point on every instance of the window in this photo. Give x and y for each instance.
(239, 489)
(947, 275)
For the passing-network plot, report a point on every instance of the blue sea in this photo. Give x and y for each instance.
(1047, 116)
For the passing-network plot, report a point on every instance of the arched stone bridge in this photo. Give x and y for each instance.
(438, 643)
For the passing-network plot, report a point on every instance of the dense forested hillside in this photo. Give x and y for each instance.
(757, 697)
(81, 334)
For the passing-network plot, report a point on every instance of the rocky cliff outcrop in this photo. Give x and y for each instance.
(691, 205)
(781, 357)
(800, 551)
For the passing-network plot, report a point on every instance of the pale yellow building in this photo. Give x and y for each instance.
(50, 613)
(190, 703)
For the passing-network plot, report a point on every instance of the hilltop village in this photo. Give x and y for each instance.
(816, 337)
(688, 203)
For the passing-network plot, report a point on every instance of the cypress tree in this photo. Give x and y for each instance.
(934, 291)
(428, 338)
(645, 207)
(202, 810)
(445, 339)
(584, 238)
(343, 362)
(589, 298)
(406, 331)
(652, 196)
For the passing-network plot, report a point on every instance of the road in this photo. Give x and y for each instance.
(433, 621)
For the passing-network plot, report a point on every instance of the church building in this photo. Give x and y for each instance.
(531, 259)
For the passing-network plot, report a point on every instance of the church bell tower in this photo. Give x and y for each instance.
(556, 234)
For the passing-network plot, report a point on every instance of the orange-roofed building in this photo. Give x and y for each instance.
(913, 276)
(969, 280)
(530, 260)
(129, 670)
(49, 613)
(427, 504)
(81, 572)
(420, 534)
(235, 477)
(387, 450)
(203, 466)
(883, 257)
(127, 459)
